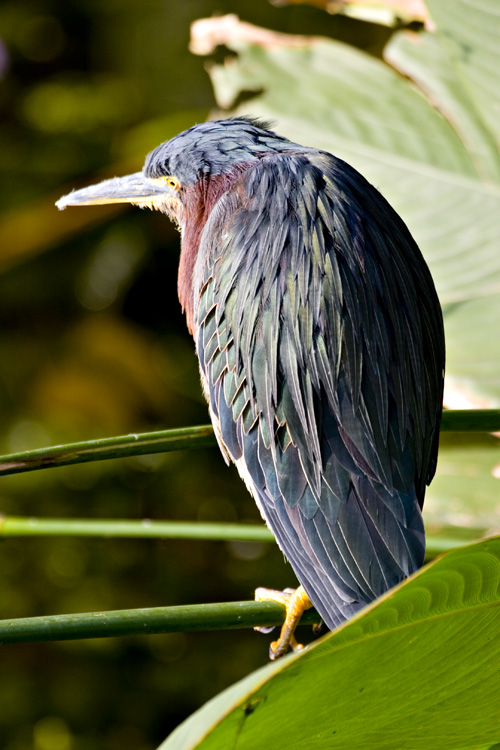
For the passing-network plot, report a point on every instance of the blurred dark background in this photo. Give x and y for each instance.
(93, 344)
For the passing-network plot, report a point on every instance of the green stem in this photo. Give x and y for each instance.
(122, 446)
(471, 420)
(163, 441)
(190, 618)
(17, 526)
(127, 529)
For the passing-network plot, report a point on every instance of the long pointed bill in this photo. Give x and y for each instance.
(134, 188)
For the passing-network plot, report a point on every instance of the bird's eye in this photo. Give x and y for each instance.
(172, 182)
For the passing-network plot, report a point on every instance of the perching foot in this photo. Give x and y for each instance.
(296, 602)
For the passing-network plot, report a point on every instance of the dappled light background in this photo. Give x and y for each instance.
(93, 344)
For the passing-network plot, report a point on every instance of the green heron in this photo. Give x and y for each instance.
(321, 347)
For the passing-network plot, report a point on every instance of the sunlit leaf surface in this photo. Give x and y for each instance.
(418, 669)
(443, 177)
(426, 139)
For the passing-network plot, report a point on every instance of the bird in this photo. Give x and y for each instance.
(321, 350)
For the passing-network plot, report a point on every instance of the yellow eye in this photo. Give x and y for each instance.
(173, 183)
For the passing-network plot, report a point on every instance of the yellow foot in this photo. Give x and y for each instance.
(296, 602)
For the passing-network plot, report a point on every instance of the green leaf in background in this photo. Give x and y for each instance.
(466, 489)
(387, 12)
(424, 58)
(420, 128)
(416, 670)
(469, 33)
(444, 179)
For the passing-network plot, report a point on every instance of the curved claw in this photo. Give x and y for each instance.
(296, 602)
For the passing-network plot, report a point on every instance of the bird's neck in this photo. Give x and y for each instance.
(200, 200)
(192, 226)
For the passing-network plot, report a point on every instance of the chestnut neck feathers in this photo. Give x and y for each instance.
(200, 200)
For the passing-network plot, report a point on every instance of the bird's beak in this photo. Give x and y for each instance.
(134, 188)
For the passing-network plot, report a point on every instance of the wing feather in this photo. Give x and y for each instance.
(321, 345)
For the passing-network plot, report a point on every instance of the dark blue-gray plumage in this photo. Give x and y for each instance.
(321, 347)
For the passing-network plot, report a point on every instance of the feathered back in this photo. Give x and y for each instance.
(321, 348)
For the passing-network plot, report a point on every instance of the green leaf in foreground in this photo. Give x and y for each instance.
(419, 669)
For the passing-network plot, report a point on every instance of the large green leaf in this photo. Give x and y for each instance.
(466, 489)
(428, 143)
(426, 60)
(422, 131)
(469, 31)
(416, 670)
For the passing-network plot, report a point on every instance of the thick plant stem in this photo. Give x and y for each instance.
(470, 420)
(189, 618)
(147, 529)
(122, 446)
(128, 529)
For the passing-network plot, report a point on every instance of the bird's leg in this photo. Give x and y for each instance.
(296, 602)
